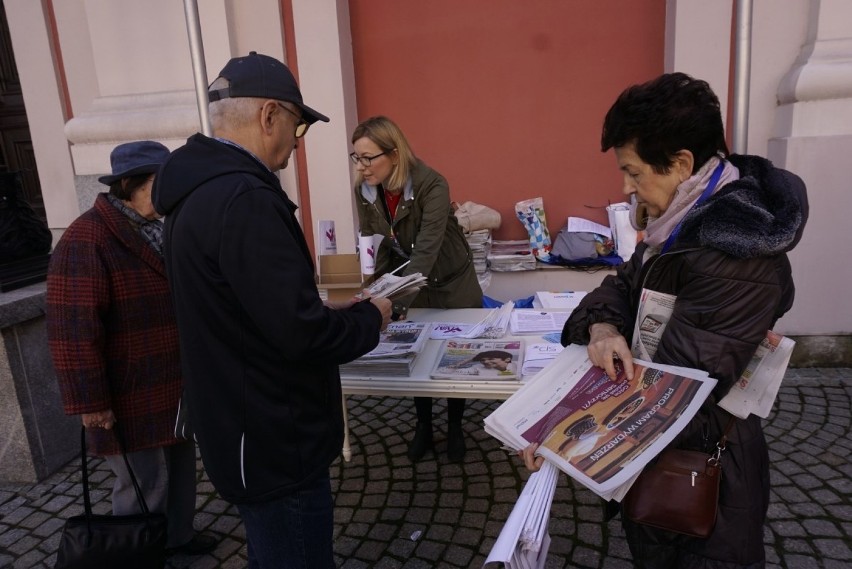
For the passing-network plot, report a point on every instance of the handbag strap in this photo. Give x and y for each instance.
(87, 501)
(723, 442)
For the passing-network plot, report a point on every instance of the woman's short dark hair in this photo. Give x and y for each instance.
(670, 113)
(124, 188)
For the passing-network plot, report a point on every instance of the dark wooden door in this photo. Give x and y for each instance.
(16, 146)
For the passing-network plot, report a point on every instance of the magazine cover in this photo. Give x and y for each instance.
(479, 359)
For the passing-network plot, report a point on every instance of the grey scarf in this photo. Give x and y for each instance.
(151, 230)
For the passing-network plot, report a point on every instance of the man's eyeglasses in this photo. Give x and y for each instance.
(364, 160)
(301, 126)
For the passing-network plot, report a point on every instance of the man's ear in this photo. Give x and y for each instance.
(268, 113)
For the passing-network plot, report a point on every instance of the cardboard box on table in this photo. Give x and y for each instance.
(339, 276)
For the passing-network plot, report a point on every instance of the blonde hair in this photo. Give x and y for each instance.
(389, 138)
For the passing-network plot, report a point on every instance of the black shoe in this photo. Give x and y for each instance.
(455, 444)
(199, 544)
(421, 442)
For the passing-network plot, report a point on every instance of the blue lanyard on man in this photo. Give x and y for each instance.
(708, 191)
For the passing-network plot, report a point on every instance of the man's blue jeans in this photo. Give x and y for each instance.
(292, 532)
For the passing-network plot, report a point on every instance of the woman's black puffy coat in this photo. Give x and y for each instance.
(730, 273)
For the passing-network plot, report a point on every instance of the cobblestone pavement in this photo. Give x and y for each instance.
(392, 514)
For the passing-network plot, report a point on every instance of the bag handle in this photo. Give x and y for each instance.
(87, 501)
(722, 444)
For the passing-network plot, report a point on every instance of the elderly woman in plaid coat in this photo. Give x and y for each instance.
(114, 343)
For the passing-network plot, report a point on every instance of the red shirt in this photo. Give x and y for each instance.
(392, 200)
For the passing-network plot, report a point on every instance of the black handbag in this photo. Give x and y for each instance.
(135, 541)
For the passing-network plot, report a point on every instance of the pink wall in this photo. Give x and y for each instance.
(506, 97)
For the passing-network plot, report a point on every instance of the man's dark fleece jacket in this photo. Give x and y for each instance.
(259, 350)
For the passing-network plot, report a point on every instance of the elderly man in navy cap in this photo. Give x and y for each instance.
(259, 348)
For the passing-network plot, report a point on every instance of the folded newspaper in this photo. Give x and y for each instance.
(479, 360)
(600, 431)
(524, 540)
(758, 385)
(393, 287)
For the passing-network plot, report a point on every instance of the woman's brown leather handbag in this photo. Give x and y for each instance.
(679, 492)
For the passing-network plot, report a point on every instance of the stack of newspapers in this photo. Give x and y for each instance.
(506, 256)
(480, 246)
(399, 346)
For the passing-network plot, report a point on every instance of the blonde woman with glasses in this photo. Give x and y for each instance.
(401, 198)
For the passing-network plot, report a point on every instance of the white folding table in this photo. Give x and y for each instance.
(419, 384)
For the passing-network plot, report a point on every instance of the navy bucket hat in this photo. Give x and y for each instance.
(135, 158)
(264, 77)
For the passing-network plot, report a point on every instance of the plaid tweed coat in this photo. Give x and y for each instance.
(112, 331)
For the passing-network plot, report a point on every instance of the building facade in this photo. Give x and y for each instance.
(505, 98)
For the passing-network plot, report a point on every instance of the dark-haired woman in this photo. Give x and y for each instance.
(113, 339)
(717, 231)
(400, 197)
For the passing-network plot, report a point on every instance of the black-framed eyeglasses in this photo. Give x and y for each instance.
(301, 126)
(364, 160)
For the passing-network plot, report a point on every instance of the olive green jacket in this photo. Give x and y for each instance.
(426, 232)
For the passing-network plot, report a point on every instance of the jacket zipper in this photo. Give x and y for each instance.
(243, 461)
(657, 258)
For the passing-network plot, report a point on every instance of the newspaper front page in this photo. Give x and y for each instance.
(600, 431)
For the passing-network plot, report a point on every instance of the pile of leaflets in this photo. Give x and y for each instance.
(566, 300)
(507, 256)
(399, 346)
(494, 325)
(538, 356)
(479, 360)
(393, 287)
(532, 321)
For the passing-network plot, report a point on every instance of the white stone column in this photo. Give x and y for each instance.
(28, 27)
(813, 138)
(327, 80)
(698, 42)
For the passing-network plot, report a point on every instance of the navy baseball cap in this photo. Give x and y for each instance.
(264, 77)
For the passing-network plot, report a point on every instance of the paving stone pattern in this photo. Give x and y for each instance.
(392, 514)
